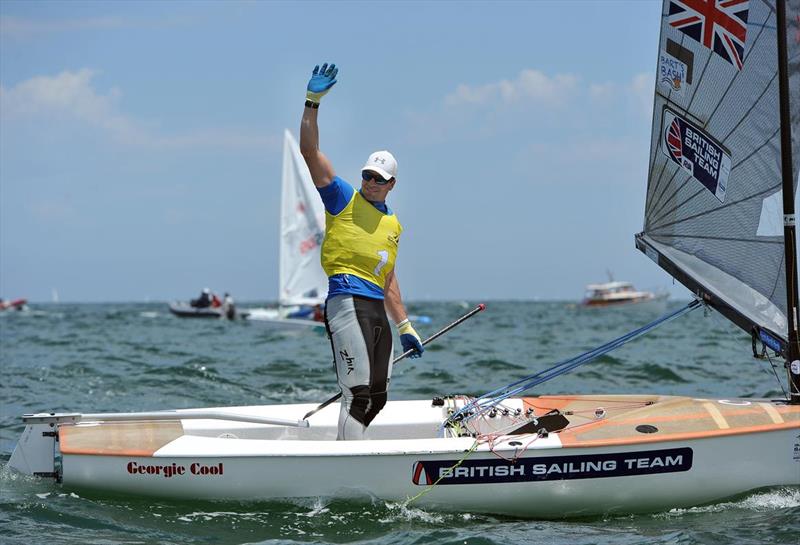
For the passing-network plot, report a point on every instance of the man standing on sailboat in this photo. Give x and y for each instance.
(358, 255)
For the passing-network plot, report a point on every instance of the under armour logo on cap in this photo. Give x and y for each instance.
(388, 168)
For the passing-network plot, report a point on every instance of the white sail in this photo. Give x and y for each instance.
(713, 217)
(302, 280)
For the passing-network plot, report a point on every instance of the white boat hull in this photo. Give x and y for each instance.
(389, 477)
(656, 304)
(278, 318)
(568, 473)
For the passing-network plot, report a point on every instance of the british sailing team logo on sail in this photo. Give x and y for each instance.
(720, 25)
(696, 152)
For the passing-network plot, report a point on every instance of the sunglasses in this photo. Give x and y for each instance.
(368, 175)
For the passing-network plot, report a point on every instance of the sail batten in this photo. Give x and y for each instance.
(716, 159)
(657, 235)
(657, 225)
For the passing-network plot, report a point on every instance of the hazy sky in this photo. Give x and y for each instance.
(140, 142)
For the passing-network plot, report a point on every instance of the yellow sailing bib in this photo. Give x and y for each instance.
(361, 240)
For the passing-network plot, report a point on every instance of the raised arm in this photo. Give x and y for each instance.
(320, 167)
(397, 313)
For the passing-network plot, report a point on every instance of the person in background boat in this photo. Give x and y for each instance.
(307, 312)
(319, 314)
(358, 254)
(228, 307)
(204, 301)
(215, 301)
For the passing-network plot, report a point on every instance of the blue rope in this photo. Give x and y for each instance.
(490, 400)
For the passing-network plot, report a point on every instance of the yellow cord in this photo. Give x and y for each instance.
(448, 472)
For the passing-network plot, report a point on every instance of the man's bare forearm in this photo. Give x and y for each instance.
(318, 165)
(309, 132)
(393, 300)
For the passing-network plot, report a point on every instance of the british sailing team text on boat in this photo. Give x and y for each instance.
(553, 467)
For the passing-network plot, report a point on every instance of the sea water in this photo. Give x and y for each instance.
(137, 357)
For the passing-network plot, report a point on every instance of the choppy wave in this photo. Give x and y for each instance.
(770, 500)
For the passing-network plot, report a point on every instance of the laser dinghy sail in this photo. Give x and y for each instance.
(302, 282)
(722, 142)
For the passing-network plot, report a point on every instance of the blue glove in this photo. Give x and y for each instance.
(410, 339)
(321, 82)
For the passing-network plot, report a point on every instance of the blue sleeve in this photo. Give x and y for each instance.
(336, 195)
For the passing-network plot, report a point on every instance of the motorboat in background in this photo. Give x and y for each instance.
(616, 294)
(186, 310)
(208, 305)
(15, 304)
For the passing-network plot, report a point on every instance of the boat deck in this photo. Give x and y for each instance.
(620, 420)
(592, 421)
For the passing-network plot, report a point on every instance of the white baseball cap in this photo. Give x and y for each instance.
(383, 163)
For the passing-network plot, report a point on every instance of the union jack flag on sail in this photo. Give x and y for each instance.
(720, 25)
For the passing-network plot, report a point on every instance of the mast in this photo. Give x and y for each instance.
(790, 241)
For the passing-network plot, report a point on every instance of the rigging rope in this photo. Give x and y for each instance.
(489, 401)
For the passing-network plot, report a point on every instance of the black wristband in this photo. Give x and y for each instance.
(313, 105)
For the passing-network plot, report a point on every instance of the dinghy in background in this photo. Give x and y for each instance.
(302, 282)
(281, 318)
